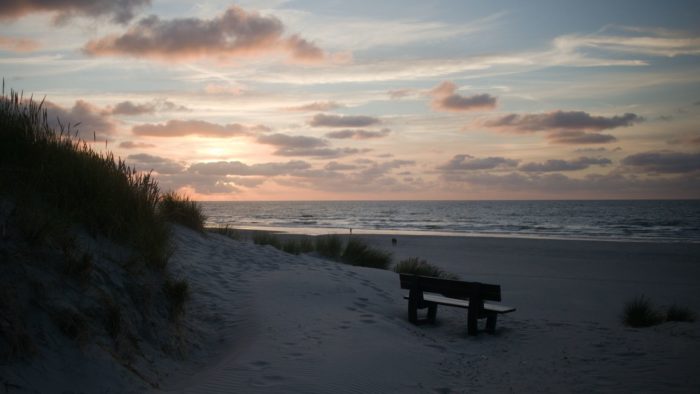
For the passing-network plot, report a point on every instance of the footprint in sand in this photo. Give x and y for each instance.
(260, 364)
(438, 347)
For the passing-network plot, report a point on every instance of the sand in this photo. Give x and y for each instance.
(273, 322)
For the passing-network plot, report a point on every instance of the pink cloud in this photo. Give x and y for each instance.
(121, 11)
(445, 98)
(561, 120)
(18, 44)
(235, 33)
(180, 128)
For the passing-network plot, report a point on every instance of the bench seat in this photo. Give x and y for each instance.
(442, 300)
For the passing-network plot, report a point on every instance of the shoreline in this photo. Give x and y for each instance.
(319, 231)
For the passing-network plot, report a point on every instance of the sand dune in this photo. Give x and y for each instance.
(274, 322)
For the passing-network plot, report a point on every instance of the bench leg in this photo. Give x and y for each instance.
(491, 322)
(432, 313)
(472, 326)
(413, 313)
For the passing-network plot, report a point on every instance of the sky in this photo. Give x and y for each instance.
(360, 100)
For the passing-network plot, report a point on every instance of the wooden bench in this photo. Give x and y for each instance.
(428, 292)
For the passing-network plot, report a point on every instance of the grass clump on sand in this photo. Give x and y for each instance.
(72, 324)
(680, 313)
(640, 312)
(416, 266)
(227, 231)
(177, 292)
(298, 246)
(265, 238)
(357, 252)
(180, 209)
(329, 246)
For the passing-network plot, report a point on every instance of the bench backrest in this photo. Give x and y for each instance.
(451, 288)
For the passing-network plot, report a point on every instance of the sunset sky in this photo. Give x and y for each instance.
(346, 100)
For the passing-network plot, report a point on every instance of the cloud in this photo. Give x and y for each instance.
(230, 176)
(291, 141)
(613, 185)
(224, 89)
(358, 134)
(121, 11)
(316, 106)
(180, 128)
(297, 145)
(222, 168)
(579, 137)
(322, 120)
(561, 120)
(303, 50)
(320, 152)
(86, 120)
(335, 166)
(652, 42)
(135, 145)
(445, 99)
(563, 165)
(129, 108)
(471, 163)
(367, 177)
(18, 44)
(590, 150)
(664, 162)
(235, 33)
(247, 181)
(158, 164)
(397, 94)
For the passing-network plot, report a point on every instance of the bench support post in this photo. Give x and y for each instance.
(413, 301)
(432, 312)
(476, 305)
(491, 322)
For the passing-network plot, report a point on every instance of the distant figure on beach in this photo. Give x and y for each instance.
(394, 241)
(350, 231)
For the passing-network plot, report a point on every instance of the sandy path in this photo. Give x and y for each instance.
(284, 323)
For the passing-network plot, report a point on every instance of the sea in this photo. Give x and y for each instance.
(611, 220)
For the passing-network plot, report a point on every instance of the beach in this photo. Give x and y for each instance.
(274, 322)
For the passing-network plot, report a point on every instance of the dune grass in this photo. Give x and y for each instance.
(177, 292)
(180, 209)
(640, 312)
(680, 313)
(72, 324)
(227, 231)
(329, 246)
(357, 252)
(112, 317)
(265, 238)
(57, 181)
(416, 266)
